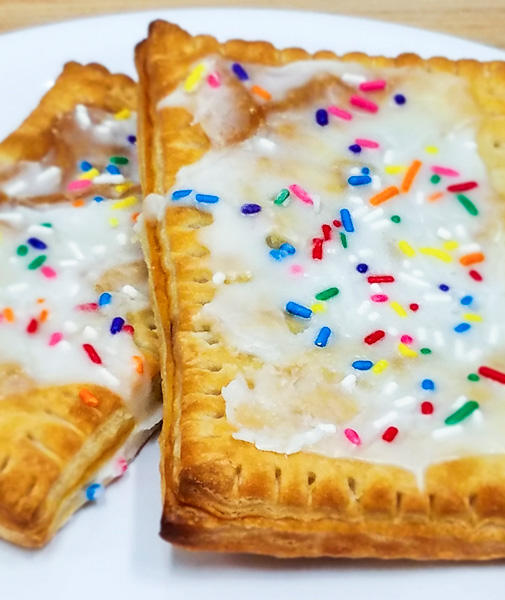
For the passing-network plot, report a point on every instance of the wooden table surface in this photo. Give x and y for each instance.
(480, 20)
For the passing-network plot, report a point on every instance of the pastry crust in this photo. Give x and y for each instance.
(52, 443)
(223, 494)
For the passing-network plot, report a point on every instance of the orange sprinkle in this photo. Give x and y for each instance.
(410, 175)
(139, 364)
(470, 259)
(9, 314)
(135, 216)
(41, 300)
(43, 315)
(78, 202)
(262, 93)
(434, 197)
(385, 195)
(87, 397)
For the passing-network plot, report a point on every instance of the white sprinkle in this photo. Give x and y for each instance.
(444, 233)
(130, 291)
(375, 288)
(100, 249)
(13, 188)
(442, 297)
(89, 333)
(122, 239)
(109, 178)
(373, 316)
(494, 334)
(365, 253)
(418, 272)
(76, 251)
(386, 419)
(393, 331)
(414, 280)
(376, 183)
(373, 215)
(41, 230)
(380, 224)
(12, 219)
(265, 145)
(461, 231)
(218, 278)
(390, 388)
(357, 213)
(82, 116)
(15, 288)
(154, 207)
(327, 427)
(353, 259)
(70, 327)
(459, 402)
(353, 79)
(51, 174)
(445, 432)
(439, 338)
(419, 197)
(349, 381)
(468, 248)
(405, 401)
(109, 377)
(388, 157)
(364, 307)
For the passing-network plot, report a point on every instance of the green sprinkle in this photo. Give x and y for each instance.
(35, 264)
(395, 219)
(46, 224)
(282, 196)
(462, 413)
(22, 250)
(473, 377)
(119, 160)
(343, 240)
(425, 351)
(468, 204)
(327, 294)
(435, 179)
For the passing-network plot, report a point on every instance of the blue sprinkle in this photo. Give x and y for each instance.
(287, 248)
(322, 117)
(94, 491)
(345, 217)
(250, 209)
(240, 72)
(98, 199)
(298, 310)
(356, 148)
(444, 287)
(277, 254)
(178, 194)
(85, 166)
(322, 337)
(132, 139)
(400, 99)
(116, 325)
(466, 300)
(206, 198)
(36, 243)
(359, 180)
(362, 268)
(362, 365)
(427, 384)
(462, 327)
(365, 170)
(113, 170)
(104, 299)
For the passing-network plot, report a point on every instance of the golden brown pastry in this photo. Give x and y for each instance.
(325, 240)
(79, 368)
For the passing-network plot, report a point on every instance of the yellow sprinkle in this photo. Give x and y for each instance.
(380, 366)
(122, 187)
(91, 174)
(122, 114)
(193, 79)
(114, 222)
(472, 317)
(431, 149)
(394, 169)
(406, 248)
(318, 307)
(125, 203)
(398, 308)
(451, 245)
(406, 351)
(436, 253)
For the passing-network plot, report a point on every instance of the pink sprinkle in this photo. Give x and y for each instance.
(55, 338)
(301, 194)
(372, 86)
(379, 298)
(122, 466)
(87, 307)
(339, 112)
(48, 272)
(406, 339)
(214, 80)
(78, 184)
(352, 436)
(366, 143)
(364, 103)
(296, 269)
(444, 171)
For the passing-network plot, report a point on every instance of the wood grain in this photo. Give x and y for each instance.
(480, 20)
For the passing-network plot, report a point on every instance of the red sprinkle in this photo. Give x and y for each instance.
(492, 374)
(390, 434)
(326, 232)
(379, 298)
(92, 353)
(475, 275)
(352, 436)
(317, 249)
(337, 223)
(88, 307)
(427, 408)
(414, 307)
(380, 279)
(375, 336)
(32, 326)
(364, 103)
(129, 329)
(462, 187)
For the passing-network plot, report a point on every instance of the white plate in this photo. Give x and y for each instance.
(111, 550)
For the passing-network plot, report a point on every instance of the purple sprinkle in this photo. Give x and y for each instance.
(356, 148)
(362, 268)
(400, 99)
(444, 287)
(240, 72)
(132, 139)
(322, 117)
(36, 243)
(116, 325)
(250, 209)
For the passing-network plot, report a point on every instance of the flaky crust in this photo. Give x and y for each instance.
(223, 494)
(51, 443)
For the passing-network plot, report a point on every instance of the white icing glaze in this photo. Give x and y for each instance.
(304, 397)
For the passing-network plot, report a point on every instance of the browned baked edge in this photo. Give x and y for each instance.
(223, 494)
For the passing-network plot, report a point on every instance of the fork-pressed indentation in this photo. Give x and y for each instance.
(64, 423)
(4, 463)
(351, 483)
(278, 481)
(44, 449)
(399, 498)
